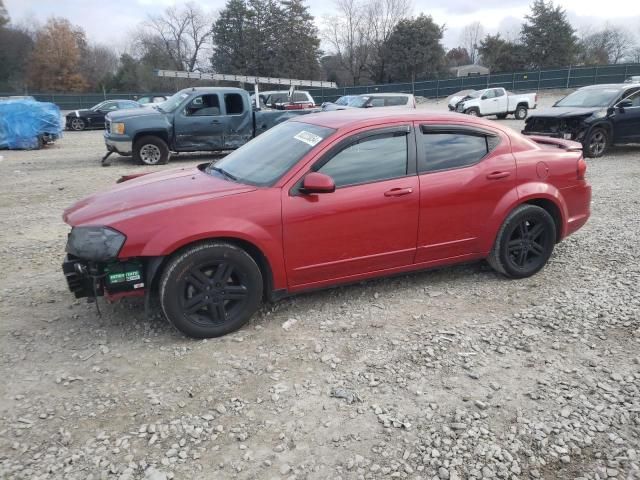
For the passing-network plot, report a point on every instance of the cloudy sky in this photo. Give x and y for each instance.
(109, 21)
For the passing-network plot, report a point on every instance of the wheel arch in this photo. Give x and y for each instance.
(552, 209)
(269, 291)
(162, 134)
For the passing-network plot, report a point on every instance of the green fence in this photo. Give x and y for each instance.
(571, 77)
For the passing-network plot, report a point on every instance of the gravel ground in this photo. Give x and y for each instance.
(455, 373)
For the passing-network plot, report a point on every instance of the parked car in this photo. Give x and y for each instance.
(633, 79)
(326, 199)
(369, 100)
(280, 100)
(94, 117)
(194, 119)
(149, 100)
(494, 101)
(342, 101)
(597, 116)
(28, 124)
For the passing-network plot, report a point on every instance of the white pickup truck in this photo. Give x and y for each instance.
(493, 101)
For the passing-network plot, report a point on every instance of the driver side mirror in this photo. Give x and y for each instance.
(316, 182)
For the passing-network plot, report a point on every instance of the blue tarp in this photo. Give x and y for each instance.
(24, 121)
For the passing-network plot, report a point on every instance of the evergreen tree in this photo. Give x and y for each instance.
(548, 36)
(500, 55)
(414, 50)
(300, 44)
(230, 47)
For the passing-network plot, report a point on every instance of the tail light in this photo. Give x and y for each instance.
(582, 168)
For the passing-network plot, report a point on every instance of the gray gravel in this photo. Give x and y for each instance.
(450, 374)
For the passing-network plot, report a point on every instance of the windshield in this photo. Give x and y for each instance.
(97, 107)
(266, 158)
(344, 100)
(358, 102)
(173, 102)
(590, 97)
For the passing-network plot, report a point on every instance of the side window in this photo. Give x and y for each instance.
(109, 107)
(377, 102)
(488, 94)
(300, 97)
(396, 101)
(372, 159)
(203, 106)
(445, 150)
(233, 103)
(498, 92)
(127, 104)
(634, 98)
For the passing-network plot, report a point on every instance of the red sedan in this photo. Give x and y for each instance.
(326, 199)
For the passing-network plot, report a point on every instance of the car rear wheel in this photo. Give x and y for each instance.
(597, 143)
(211, 289)
(151, 150)
(474, 112)
(524, 243)
(521, 112)
(77, 124)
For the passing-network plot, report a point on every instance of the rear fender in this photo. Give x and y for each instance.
(518, 195)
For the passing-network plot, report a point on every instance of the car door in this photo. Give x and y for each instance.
(501, 101)
(464, 171)
(369, 223)
(626, 120)
(97, 117)
(199, 126)
(487, 102)
(238, 121)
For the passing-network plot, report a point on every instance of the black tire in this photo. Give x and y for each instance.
(151, 150)
(474, 112)
(524, 243)
(501, 116)
(521, 112)
(210, 289)
(77, 124)
(597, 143)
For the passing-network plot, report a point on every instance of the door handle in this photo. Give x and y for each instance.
(398, 192)
(498, 175)
(215, 121)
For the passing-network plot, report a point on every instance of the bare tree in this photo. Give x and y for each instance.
(383, 16)
(470, 39)
(612, 44)
(348, 33)
(183, 34)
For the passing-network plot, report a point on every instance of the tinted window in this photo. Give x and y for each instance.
(300, 97)
(498, 93)
(447, 150)
(233, 103)
(204, 106)
(634, 98)
(396, 101)
(377, 102)
(371, 159)
(128, 104)
(267, 157)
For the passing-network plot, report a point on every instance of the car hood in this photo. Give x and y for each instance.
(148, 193)
(565, 112)
(126, 114)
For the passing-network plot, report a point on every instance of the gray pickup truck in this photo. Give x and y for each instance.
(194, 119)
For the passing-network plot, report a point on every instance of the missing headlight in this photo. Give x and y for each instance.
(97, 244)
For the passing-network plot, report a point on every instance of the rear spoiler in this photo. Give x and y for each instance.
(568, 145)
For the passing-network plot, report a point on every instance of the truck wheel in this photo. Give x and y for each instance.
(211, 289)
(501, 116)
(474, 112)
(151, 150)
(521, 112)
(596, 143)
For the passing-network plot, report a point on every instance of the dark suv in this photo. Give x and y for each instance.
(597, 116)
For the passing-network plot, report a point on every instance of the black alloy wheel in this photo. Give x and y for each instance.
(597, 143)
(211, 289)
(525, 242)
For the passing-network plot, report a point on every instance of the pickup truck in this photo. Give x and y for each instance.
(494, 101)
(194, 119)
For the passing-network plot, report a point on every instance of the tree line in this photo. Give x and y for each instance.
(365, 42)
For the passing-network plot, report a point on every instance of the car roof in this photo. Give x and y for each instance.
(358, 117)
(375, 94)
(619, 86)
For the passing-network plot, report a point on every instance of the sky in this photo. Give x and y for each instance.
(111, 21)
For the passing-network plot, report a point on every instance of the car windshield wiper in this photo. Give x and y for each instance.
(224, 173)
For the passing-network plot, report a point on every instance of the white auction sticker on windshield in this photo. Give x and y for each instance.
(308, 138)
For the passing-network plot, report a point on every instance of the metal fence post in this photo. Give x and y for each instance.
(568, 75)
(513, 81)
(438, 88)
(595, 76)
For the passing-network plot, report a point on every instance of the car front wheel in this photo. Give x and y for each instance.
(524, 243)
(151, 150)
(77, 124)
(474, 112)
(521, 112)
(211, 289)
(597, 143)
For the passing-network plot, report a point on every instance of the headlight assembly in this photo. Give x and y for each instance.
(117, 128)
(97, 244)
